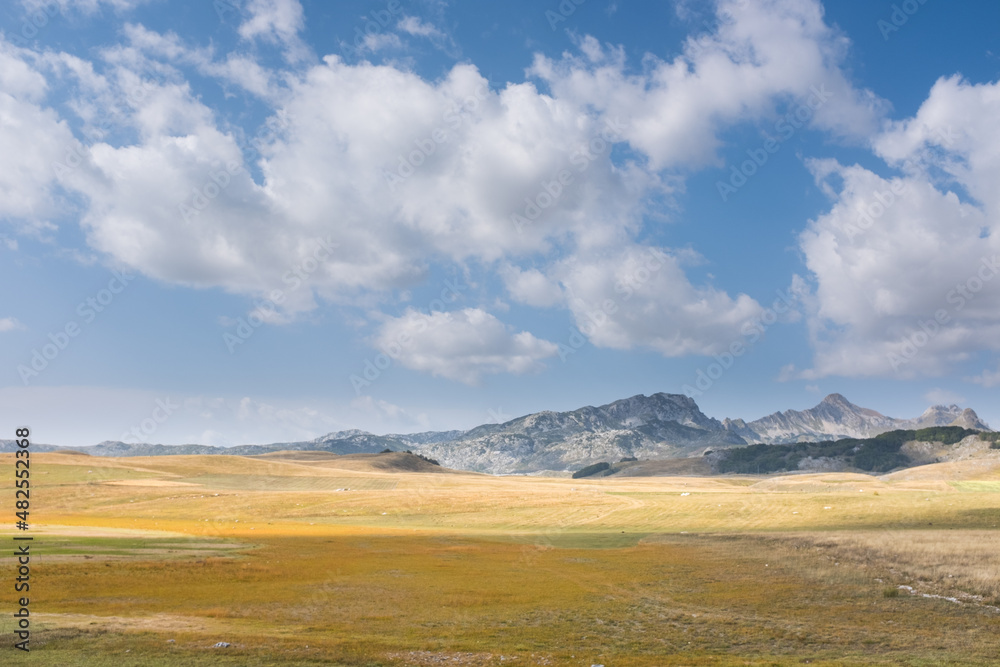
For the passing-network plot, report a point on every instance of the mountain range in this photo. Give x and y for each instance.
(835, 417)
(661, 426)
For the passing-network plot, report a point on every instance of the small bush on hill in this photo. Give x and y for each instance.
(991, 437)
(428, 459)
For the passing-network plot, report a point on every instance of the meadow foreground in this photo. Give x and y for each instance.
(306, 559)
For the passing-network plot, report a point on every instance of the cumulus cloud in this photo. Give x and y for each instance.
(277, 22)
(952, 134)
(32, 139)
(167, 204)
(640, 297)
(761, 53)
(463, 345)
(395, 174)
(905, 268)
(532, 287)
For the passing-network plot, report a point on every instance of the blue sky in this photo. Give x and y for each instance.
(265, 220)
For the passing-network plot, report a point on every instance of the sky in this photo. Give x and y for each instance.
(254, 221)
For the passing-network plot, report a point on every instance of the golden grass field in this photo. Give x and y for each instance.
(309, 559)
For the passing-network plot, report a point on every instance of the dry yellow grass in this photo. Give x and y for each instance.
(965, 565)
(409, 568)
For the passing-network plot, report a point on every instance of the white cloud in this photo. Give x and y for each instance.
(350, 126)
(412, 25)
(166, 46)
(272, 19)
(164, 53)
(346, 126)
(894, 255)
(955, 132)
(404, 173)
(532, 287)
(636, 296)
(425, 28)
(381, 41)
(32, 140)
(987, 378)
(9, 324)
(146, 46)
(277, 22)
(463, 345)
(763, 53)
(17, 77)
(245, 73)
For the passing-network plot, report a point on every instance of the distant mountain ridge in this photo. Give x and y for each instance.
(657, 426)
(660, 426)
(835, 417)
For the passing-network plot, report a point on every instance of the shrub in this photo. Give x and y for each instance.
(948, 435)
(882, 454)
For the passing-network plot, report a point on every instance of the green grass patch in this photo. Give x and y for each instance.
(572, 539)
(977, 486)
(133, 547)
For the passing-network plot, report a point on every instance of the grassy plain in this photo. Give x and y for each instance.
(311, 559)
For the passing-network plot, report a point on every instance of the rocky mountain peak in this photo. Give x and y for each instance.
(942, 410)
(969, 419)
(833, 418)
(641, 409)
(838, 400)
(949, 415)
